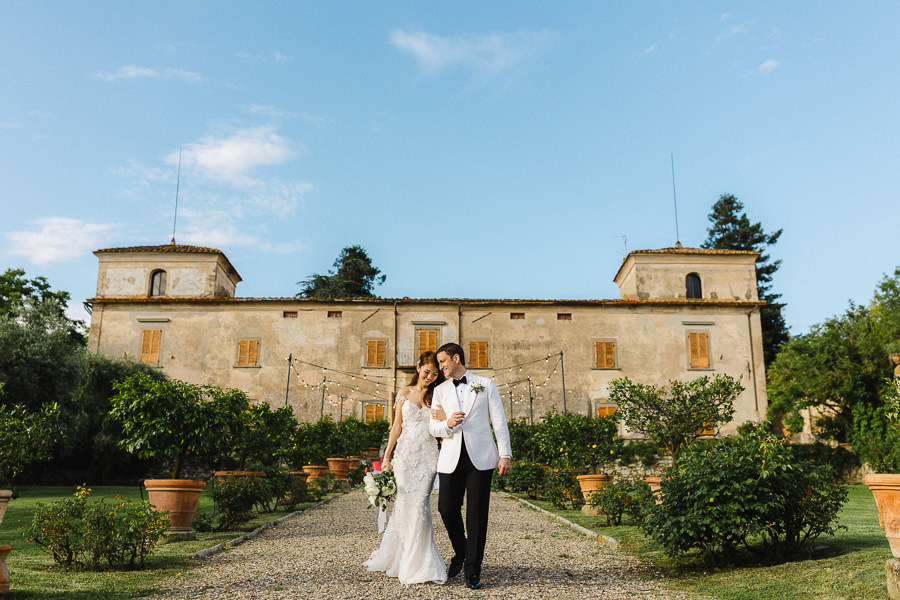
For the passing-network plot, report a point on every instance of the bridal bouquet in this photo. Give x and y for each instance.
(380, 487)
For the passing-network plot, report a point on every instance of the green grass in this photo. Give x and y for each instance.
(847, 565)
(34, 575)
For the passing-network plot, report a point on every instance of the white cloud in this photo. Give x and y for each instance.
(137, 72)
(59, 239)
(487, 54)
(649, 50)
(768, 66)
(230, 159)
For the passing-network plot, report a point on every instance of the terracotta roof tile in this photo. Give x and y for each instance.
(163, 248)
(677, 250)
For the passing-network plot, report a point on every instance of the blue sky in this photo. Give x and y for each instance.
(500, 149)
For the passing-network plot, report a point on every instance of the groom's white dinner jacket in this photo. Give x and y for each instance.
(482, 409)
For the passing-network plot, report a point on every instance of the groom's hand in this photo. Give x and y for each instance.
(504, 467)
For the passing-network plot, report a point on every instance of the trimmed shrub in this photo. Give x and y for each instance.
(526, 478)
(78, 534)
(561, 488)
(234, 498)
(748, 491)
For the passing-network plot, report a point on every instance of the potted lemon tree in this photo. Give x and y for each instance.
(165, 421)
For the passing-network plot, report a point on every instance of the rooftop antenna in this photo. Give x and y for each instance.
(177, 185)
(675, 200)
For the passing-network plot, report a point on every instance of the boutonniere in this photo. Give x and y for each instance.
(477, 388)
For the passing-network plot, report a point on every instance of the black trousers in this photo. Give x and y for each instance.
(466, 481)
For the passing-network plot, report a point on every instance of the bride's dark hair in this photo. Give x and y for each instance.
(428, 357)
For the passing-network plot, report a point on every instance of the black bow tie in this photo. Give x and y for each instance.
(461, 380)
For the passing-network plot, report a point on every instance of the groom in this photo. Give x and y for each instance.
(468, 457)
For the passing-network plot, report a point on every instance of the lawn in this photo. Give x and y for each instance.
(34, 576)
(847, 565)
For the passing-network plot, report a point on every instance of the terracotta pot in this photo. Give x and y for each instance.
(373, 453)
(338, 466)
(589, 483)
(654, 482)
(301, 474)
(352, 462)
(4, 573)
(5, 497)
(316, 471)
(886, 489)
(178, 496)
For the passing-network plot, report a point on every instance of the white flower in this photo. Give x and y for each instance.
(477, 388)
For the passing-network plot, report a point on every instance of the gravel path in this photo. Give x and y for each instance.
(319, 555)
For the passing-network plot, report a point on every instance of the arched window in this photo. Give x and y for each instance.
(158, 283)
(692, 286)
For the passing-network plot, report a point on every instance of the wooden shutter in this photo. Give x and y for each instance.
(427, 340)
(374, 411)
(699, 348)
(605, 411)
(478, 355)
(605, 355)
(150, 346)
(375, 350)
(248, 353)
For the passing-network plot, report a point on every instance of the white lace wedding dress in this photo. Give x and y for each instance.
(408, 550)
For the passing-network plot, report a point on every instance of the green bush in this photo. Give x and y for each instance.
(644, 452)
(523, 440)
(748, 491)
(561, 488)
(841, 460)
(570, 440)
(297, 492)
(80, 534)
(613, 499)
(876, 438)
(526, 478)
(355, 475)
(235, 497)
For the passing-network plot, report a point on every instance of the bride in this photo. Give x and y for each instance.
(408, 550)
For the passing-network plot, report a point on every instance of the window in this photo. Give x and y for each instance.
(605, 355)
(693, 289)
(707, 429)
(516, 315)
(248, 353)
(375, 352)
(335, 314)
(563, 316)
(698, 347)
(373, 412)
(605, 411)
(158, 284)
(289, 314)
(150, 346)
(478, 355)
(426, 339)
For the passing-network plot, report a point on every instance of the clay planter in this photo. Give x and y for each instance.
(654, 482)
(352, 462)
(178, 496)
(338, 466)
(886, 489)
(589, 483)
(300, 474)
(372, 453)
(4, 573)
(5, 496)
(315, 471)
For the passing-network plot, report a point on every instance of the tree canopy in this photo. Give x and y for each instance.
(353, 276)
(840, 366)
(731, 229)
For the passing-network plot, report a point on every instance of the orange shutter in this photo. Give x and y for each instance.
(248, 353)
(605, 411)
(478, 355)
(699, 347)
(427, 340)
(150, 346)
(375, 350)
(374, 411)
(605, 355)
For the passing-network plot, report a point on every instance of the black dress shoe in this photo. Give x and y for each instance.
(456, 565)
(473, 582)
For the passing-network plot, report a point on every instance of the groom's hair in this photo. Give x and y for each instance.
(451, 348)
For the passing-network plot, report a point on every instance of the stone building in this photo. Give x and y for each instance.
(682, 313)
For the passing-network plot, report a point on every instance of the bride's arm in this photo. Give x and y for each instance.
(396, 428)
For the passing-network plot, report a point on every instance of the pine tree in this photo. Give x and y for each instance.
(353, 276)
(732, 230)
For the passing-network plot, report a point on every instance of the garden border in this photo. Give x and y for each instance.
(605, 539)
(206, 553)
